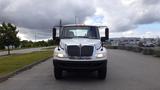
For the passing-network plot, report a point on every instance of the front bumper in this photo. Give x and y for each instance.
(79, 65)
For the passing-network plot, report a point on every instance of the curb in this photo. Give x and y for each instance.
(5, 77)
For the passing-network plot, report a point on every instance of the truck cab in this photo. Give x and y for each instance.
(80, 49)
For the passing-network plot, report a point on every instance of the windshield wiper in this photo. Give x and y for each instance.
(82, 37)
(67, 37)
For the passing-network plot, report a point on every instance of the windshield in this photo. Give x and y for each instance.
(80, 32)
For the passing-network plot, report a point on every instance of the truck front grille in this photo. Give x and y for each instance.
(73, 50)
(87, 51)
(78, 51)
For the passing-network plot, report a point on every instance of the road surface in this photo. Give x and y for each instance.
(126, 71)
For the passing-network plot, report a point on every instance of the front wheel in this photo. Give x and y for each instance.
(57, 73)
(102, 72)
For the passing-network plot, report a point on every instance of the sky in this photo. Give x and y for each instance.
(125, 18)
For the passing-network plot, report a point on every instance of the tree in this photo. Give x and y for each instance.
(1, 35)
(26, 44)
(17, 42)
(40, 44)
(1, 43)
(51, 42)
(158, 42)
(8, 35)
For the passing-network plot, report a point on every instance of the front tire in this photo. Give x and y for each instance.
(102, 73)
(57, 73)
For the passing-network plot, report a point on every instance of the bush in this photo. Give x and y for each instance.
(121, 47)
(148, 51)
(129, 48)
(111, 47)
(157, 52)
(137, 49)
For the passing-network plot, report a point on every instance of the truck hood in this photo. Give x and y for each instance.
(80, 41)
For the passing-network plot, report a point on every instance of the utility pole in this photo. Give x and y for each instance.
(60, 24)
(75, 20)
(35, 36)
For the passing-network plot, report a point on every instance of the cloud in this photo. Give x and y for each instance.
(151, 2)
(40, 16)
(148, 12)
(34, 34)
(124, 15)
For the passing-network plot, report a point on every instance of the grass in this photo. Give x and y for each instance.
(13, 62)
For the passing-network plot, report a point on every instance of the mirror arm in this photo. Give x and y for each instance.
(59, 46)
(58, 42)
(102, 46)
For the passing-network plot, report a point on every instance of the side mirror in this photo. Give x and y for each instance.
(54, 33)
(107, 33)
(103, 39)
(57, 39)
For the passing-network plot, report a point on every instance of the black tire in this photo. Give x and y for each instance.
(102, 73)
(58, 73)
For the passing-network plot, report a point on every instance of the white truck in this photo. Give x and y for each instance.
(80, 49)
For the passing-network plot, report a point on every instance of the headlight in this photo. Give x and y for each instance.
(99, 55)
(60, 55)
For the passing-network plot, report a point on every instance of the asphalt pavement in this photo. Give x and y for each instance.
(126, 71)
